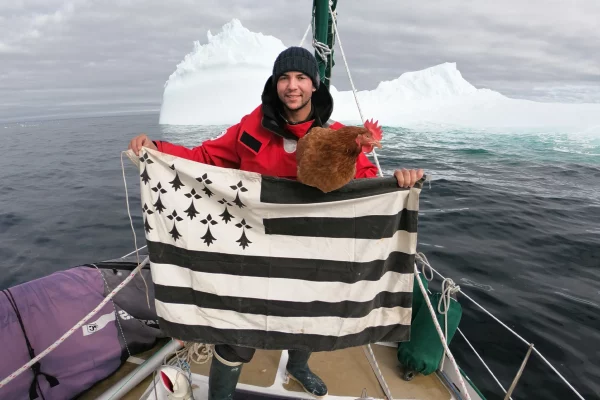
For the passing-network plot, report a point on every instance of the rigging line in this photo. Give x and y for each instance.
(441, 334)
(337, 34)
(535, 350)
(481, 359)
(74, 328)
(305, 35)
(128, 254)
(108, 298)
(446, 299)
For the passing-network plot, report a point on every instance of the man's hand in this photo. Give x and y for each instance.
(407, 178)
(140, 141)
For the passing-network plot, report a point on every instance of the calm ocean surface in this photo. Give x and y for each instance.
(511, 217)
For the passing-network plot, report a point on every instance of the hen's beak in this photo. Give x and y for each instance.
(376, 143)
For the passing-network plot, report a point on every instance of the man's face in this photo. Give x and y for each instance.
(294, 90)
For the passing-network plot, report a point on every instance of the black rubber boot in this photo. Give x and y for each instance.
(223, 378)
(297, 368)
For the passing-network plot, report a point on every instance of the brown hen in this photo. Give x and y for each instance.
(326, 158)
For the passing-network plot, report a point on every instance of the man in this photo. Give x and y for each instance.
(264, 141)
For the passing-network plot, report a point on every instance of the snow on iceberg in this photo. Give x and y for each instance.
(222, 80)
(440, 97)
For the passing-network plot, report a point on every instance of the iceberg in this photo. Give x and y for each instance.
(219, 82)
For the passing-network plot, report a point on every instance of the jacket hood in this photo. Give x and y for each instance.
(322, 103)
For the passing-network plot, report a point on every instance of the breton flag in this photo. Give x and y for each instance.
(269, 263)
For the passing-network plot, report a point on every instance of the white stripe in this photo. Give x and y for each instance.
(382, 204)
(331, 326)
(353, 250)
(295, 290)
(337, 249)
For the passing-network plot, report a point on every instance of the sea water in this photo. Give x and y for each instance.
(513, 217)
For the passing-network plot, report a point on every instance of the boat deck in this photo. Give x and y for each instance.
(346, 373)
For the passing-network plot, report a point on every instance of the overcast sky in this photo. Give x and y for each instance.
(87, 56)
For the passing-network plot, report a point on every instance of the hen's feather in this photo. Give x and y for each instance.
(326, 158)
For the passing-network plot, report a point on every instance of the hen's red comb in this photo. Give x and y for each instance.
(374, 128)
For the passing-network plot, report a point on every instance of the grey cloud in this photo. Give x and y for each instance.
(499, 49)
(62, 56)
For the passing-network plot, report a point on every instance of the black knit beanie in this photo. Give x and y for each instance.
(296, 59)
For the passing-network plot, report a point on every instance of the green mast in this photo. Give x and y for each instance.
(323, 33)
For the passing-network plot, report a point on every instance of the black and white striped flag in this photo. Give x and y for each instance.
(269, 263)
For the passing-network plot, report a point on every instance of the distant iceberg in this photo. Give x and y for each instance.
(222, 80)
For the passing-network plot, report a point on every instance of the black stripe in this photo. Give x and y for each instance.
(367, 227)
(283, 191)
(343, 309)
(251, 141)
(283, 341)
(271, 267)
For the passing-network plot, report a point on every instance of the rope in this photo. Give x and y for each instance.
(305, 34)
(337, 34)
(448, 289)
(510, 330)
(424, 265)
(441, 335)
(375, 366)
(481, 359)
(197, 353)
(458, 329)
(108, 298)
(74, 328)
(136, 250)
(322, 49)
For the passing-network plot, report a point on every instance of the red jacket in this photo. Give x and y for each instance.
(249, 146)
